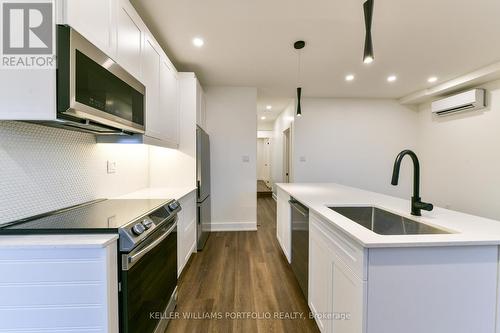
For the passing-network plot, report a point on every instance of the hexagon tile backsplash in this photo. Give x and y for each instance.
(44, 168)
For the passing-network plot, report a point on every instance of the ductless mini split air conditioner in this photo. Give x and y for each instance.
(471, 100)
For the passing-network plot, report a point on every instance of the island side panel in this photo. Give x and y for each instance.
(432, 289)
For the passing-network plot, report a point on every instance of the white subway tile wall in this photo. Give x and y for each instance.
(44, 168)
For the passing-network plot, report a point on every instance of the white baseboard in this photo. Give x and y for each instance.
(233, 226)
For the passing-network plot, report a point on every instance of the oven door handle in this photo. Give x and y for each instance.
(133, 259)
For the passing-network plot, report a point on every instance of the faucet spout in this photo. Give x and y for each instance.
(416, 204)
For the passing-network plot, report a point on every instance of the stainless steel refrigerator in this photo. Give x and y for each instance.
(203, 184)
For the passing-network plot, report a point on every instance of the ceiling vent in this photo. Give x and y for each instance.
(471, 100)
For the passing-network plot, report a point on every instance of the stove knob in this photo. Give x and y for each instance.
(147, 223)
(138, 229)
(173, 206)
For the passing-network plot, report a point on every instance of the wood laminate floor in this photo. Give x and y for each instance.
(263, 190)
(242, 274)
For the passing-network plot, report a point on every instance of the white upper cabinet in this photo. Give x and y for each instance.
(169, 103)
(93, 19)
(129, 32)
(151, 74)
(201, 106)
(115, 27)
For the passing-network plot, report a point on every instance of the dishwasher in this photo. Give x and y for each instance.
(300, 243)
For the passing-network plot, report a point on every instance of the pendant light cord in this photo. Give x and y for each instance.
(298, 67)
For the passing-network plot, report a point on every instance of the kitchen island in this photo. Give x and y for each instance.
(363, 281)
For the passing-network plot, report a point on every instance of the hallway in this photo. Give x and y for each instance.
(242, 274)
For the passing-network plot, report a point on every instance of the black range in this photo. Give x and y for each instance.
(147, 243)
(133, 219)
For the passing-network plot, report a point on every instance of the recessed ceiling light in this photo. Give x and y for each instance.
(198, 42)
(269, 107)
(432, 79)
(391, 78)
(262, 118)
(349, 77)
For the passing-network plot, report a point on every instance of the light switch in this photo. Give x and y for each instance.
(302, 158)
(245, 158)
(111, 167)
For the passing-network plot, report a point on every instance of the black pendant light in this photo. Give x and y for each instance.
(299, 45)
(368, 53)
(299, 93)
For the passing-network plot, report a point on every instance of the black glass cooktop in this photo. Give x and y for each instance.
(96, 216)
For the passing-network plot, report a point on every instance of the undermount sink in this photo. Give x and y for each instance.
(386, 223)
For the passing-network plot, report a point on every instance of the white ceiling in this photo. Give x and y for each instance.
(249, 43)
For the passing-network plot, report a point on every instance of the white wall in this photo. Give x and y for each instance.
(460, 155)
(231, 124)
(284, 121)
(44, 168)
(354, 142)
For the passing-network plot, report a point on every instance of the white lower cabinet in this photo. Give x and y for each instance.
(186, 230)
(399, 289)
(54, 283)
(336, 294)
(284, 224)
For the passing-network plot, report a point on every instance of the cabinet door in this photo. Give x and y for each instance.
(94, 20)
(347, 300)
(186, 230)
(283, 227)
(129, 38)
(169, 103)
(200, 106)
(151, 75)
(320, 279)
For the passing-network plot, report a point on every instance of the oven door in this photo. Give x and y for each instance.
(149, 282)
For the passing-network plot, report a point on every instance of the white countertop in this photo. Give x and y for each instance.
(57, 241)
(159, 193)
(467, 229)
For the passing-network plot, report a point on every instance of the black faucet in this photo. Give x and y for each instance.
(416, 204)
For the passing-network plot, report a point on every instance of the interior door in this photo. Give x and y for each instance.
(267, 161)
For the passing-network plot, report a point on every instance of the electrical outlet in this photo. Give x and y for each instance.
(111, 167)
(302, 158)
(245, 158)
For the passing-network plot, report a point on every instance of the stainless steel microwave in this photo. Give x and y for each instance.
(94, 93)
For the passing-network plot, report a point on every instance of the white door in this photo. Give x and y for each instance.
(93, 19)
(129, 38)
(347, 300)
(267, 161)
(320, 279)
(169, 103)
(151, 72)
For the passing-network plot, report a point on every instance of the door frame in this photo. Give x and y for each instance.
(287, 155)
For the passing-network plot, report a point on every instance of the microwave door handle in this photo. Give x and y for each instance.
(133, 259)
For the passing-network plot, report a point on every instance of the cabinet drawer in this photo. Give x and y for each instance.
(350, 253)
